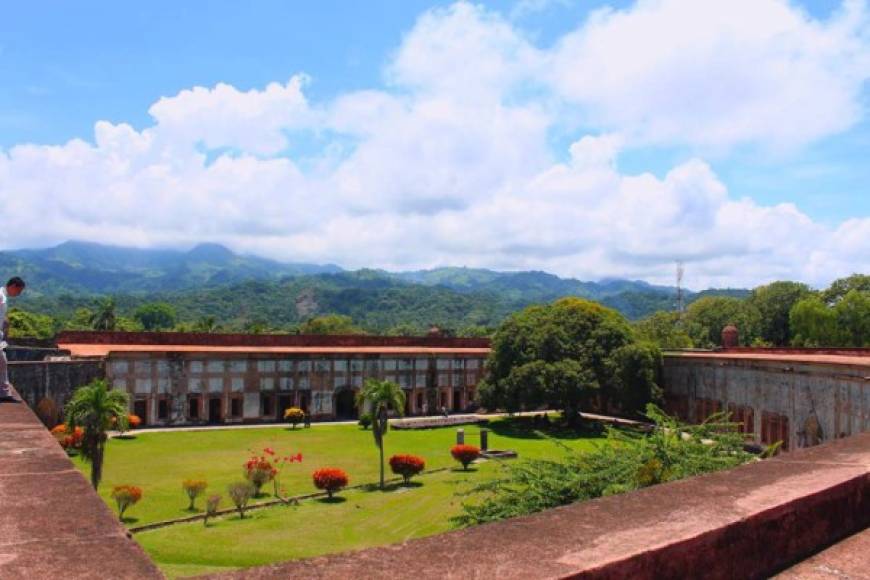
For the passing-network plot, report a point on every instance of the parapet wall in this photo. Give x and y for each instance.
(52, 523)
(800, 397)
(53, 380)
(264, 340)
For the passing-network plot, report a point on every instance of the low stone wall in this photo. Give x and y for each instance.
(53, 380)
(748, 522)
(797, 402)
(52, 523)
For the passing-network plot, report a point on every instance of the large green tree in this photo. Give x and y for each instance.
(96, 409)
(840, 287)
(853, 318)
(707, 317)
(813, 323)
(774, 303)
(155, 316)
(846, 322)
(564, 354)
(330, 324)
(665, 329)
(381, 397)
(28, 324)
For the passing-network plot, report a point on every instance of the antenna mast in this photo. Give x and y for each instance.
(680, 301)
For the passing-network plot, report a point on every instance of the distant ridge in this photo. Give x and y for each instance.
(203, 274)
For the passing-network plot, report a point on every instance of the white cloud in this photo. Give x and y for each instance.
(453, 162)
(717, 74)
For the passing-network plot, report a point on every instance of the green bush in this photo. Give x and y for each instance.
(365, 420)
(632, 460)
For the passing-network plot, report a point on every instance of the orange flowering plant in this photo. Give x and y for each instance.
(69, 440)
(465, 454)
(407, 466)
(330, 479)
(125, 496)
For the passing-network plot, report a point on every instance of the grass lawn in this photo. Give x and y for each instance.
(158, 462)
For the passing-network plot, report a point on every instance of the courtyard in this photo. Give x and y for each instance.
(358, 518)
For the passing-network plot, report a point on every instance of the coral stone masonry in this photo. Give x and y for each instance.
(52, 523)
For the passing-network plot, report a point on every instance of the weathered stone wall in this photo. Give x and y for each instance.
(52, 523)
(54, 380)
(800, 404)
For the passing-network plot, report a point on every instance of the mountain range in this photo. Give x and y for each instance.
(290, 292)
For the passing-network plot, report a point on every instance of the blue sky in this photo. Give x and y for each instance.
(66, 66)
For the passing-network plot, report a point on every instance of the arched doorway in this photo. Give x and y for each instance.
(345, 405)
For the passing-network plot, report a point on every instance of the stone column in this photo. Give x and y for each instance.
(484, 439)
(460, 436)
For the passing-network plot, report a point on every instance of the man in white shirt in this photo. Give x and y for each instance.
(14, 287)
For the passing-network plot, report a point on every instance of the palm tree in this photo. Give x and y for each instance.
(104, 317)
(381, 396)
(95, 409)
(206, 324)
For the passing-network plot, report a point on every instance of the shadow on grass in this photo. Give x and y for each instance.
(129, 520)
(389, 486)
(528, 428)
(462, 470)
(125, 437)
(333, 499)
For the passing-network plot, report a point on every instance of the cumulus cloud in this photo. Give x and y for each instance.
(453, 163)
(717, 74)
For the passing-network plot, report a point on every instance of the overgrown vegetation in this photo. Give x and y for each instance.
(625, 462)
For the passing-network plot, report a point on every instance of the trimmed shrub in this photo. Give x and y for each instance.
(294, 416)
(365, 420)
(407, 466)
(211, 507)
(68, 440)
(241, 493)
(465, 454)
(133, 421)
(194, 488)
(259, 471)
(125, 496)
(330, 479)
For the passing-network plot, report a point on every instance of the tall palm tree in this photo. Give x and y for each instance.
(104, 317)
(95, 409)
(381, 396)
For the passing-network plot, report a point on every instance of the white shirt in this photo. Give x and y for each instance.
(4, 306)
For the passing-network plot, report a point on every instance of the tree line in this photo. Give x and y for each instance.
(777, 314)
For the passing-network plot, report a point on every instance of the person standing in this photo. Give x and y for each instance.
(14, 287)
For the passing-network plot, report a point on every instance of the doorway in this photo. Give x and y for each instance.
(214, 410)
(345, 406)
(457, 400)
(140, 409)
(284, 403)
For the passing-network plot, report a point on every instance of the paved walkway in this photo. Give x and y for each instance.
(590, 416)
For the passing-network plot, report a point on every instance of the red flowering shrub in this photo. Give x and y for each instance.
(330, 479)
(68, 440)
(407, 466)
(133, 421)
(259, 471)
(465, 454)
(125, 496)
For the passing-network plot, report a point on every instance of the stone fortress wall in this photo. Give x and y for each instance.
(798, 396)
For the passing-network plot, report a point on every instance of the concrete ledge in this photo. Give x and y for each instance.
(748, 522)
(51, 521)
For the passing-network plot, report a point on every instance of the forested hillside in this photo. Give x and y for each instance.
(213, 287)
